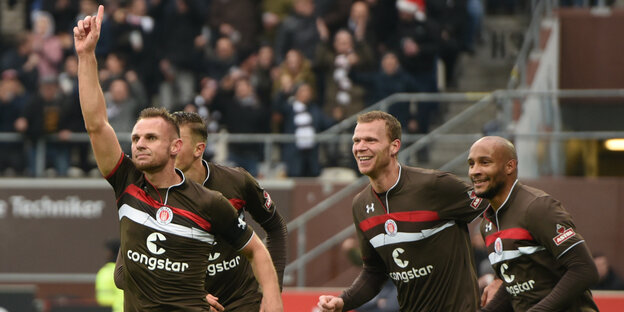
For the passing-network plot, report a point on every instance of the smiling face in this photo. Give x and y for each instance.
(153, 144)
(372, 148)
(492, 167)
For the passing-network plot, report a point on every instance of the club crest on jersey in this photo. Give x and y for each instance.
(164, 215)
(391, 227)
(476, 201)
(267, 200)
(370, 208)
(563, 234)
(498, 246)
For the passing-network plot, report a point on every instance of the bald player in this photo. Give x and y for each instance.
(533, 245)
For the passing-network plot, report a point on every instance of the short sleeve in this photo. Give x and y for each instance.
(227, 224)
(456, 200)
(123, 175)
(552, 226)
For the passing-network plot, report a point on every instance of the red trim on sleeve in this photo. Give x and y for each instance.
(139, 194)
(110, 174)
(406, 216)
(515, 233)
(237, 203)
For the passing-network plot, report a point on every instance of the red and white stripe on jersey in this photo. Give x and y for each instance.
(139, 194)
(145, 219)
(512, 254)
(514, 234)
(403, 237)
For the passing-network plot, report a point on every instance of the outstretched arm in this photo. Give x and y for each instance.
(264, 271)
(106, 148)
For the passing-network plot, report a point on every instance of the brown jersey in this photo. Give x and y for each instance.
(229, 276)
(417, 233)
(524, 238)
(166, 237)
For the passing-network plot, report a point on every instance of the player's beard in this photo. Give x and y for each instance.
(151, 166)
(491, 191)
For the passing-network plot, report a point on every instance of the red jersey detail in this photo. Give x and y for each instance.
(116, 166)
(139, 194)
(237, 203)
(515, 233)
(406, 216)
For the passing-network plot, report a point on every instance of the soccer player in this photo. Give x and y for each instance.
(412, 227)
(168, 224)
(533, 246)
(229, 276)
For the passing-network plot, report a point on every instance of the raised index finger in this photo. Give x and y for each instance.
(99, 17)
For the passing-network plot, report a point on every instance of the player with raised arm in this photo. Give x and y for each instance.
(168, 224)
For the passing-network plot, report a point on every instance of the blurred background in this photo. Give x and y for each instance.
(280, 83)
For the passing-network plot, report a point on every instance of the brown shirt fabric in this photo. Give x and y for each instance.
(166, 237)
(416, 233)
(527, 237)
(229, 276)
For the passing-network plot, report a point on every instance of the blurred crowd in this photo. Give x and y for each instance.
(246, 66)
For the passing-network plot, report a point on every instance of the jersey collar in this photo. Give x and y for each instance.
(207, 171)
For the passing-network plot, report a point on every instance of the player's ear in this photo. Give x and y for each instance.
(395, 146)
(511, 166)
(176, 146)
(199, 149)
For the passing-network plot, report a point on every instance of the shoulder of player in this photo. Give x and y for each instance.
(430, 178)
(535, 201)
(236, 175)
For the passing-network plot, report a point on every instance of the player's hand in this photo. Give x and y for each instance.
(213, 301)
(271, 303)
(87, 32)
(489, 291)
(330, 304)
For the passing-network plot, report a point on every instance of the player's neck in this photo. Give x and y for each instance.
(386, 178)
(163, 178)
(197, 172)
(499, 200)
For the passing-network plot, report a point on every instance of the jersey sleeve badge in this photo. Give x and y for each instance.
(563, 234)
(476, 201)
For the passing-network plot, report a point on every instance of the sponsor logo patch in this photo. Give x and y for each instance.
(164, 215)
(476, 201)
(564, 234)
(395, 255)
(391, 227)
(267, 200)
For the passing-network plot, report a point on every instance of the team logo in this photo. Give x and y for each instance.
(164, 215)
(488, 227)
(267, 200)
(370, 207)
(508, 278)
(395, 255)
(391, 227)
(498, 246)
(476, 201)
(153, 243)
(214, 256)
(564, 234)
(241, 223)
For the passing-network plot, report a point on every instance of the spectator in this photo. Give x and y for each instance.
(238, 20)
(608, 279)
(12, 98)
(303, 118)
(22, 59)
(342, 98)
(298, 31)
(360, 24)
(334, 13)
(224, 59)
(261, 73)
(298, 69)
(243, 113)
(106, 293)
(45, 114)
(122, 108)
(46, 46)
(181, 25)
(273, 13)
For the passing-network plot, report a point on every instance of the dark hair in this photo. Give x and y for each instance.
(194, 121)
(157, 112)
(393, 126)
